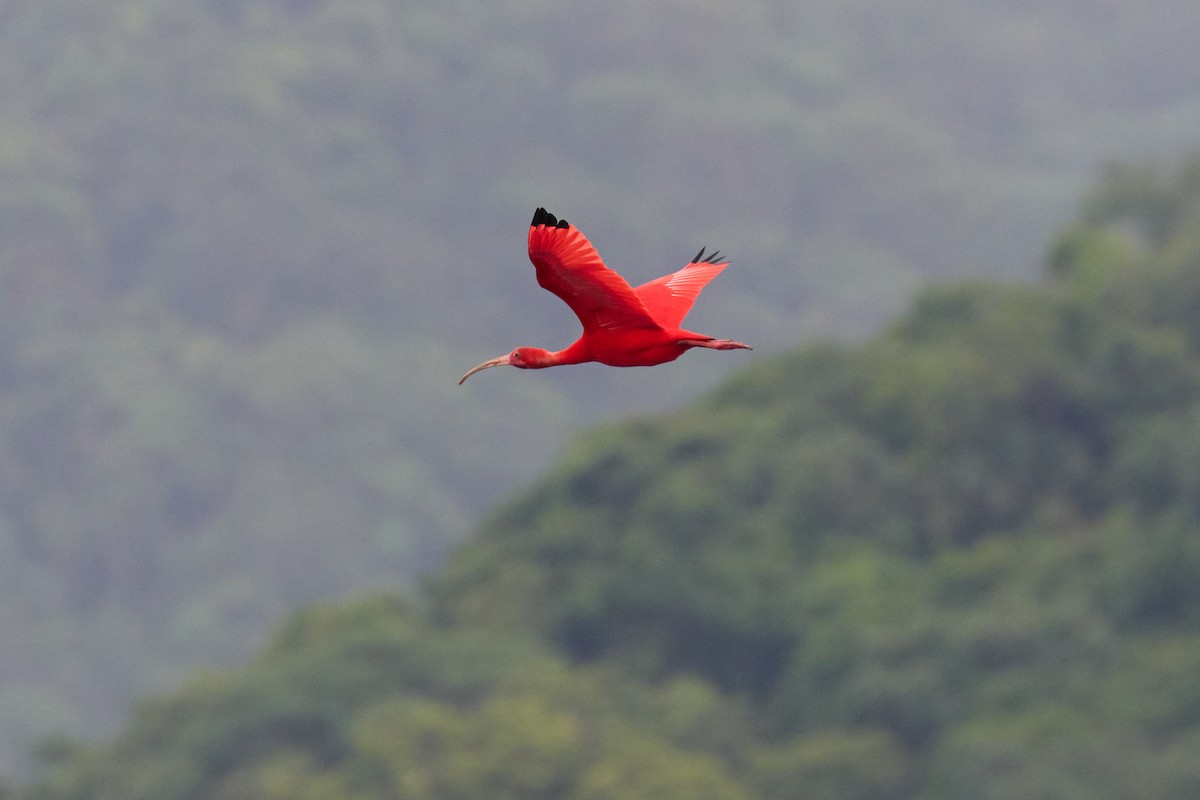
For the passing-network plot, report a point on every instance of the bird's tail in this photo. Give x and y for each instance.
(717, 344)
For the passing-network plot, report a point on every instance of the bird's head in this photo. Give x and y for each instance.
(522, 357)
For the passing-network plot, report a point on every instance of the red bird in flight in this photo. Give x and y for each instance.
(622, 326)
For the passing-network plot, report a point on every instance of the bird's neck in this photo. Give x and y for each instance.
(577, 353)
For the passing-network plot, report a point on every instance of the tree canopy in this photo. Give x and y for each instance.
(247, 247)
(958, 558)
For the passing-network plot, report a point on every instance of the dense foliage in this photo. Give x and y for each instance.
(960, 559)
(248, 246)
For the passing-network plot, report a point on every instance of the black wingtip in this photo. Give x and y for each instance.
(699, 256)
(711, 258)
(543, 217)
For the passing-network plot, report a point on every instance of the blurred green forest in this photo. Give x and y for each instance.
(247, 247)
(958, 559)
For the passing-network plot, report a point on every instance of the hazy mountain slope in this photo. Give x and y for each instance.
(959, 559)
(248, 247)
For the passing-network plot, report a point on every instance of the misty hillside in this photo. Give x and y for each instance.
(248, 247)
(959, 559)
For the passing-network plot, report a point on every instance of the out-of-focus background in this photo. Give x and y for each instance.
(946, 548)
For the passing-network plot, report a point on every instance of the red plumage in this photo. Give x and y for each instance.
(622, 326)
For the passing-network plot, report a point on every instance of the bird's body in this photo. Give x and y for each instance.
(622, 326)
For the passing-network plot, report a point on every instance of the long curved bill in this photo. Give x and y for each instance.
(499, 361)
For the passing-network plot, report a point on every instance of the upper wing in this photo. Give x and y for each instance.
(670, 298)
(569, 266)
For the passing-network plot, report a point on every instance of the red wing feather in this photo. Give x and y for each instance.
(568, 265)
(670, 298)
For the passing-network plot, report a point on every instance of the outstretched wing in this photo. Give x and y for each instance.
(569, 266)
(670, 298)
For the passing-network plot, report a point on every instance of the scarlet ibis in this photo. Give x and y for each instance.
(622, 326)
